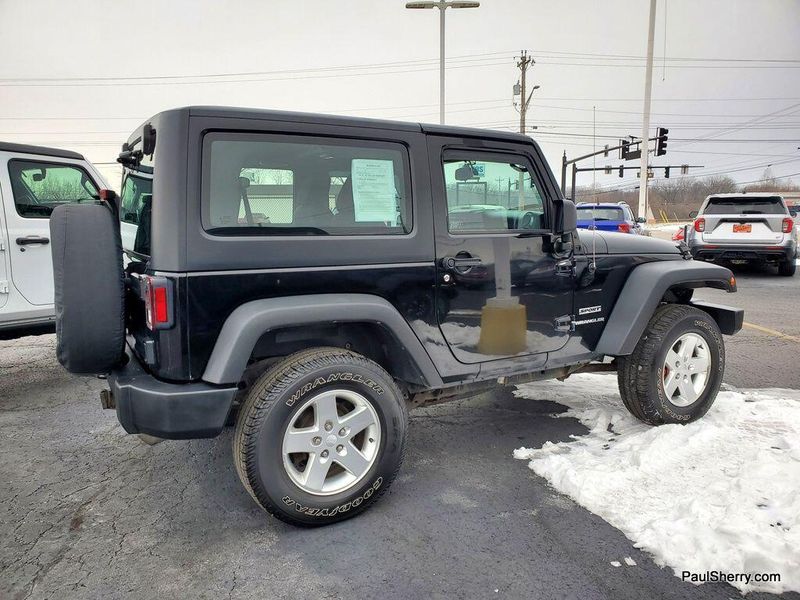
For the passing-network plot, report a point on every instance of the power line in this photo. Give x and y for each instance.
(362, 66)
(282, 75)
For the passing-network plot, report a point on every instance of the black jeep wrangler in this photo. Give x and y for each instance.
(312, 277)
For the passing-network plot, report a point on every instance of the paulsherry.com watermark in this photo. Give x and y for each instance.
(722, 576)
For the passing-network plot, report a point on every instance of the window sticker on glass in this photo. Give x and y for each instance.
(374, 195)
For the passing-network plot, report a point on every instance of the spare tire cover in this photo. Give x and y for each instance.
(89, 285)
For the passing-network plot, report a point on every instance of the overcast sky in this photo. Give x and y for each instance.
(732, 70)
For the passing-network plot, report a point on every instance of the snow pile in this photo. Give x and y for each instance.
(666, 226)
(719, 494)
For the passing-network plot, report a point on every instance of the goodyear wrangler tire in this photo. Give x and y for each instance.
(89, 286)
(676, 369)
(320, 437)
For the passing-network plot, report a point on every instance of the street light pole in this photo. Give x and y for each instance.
(441, 64)
(648, 87)
(442, 5)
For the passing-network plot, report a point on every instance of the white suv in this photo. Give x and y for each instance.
(744, 227)
(33, 181)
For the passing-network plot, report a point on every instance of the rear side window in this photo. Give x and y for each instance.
(745, 206)
(256, 184)
(39, 187)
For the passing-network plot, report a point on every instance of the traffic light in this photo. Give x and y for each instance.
(661, 143)
(666, 172)
(621, 170)
(623, 151)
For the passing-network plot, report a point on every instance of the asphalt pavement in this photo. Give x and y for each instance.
(765, 353)
(87, 511)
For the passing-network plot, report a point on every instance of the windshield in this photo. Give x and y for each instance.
(600, 214)
(745, 206)
(40, 186)
(135, 210)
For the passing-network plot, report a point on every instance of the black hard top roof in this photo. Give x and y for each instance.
(323, 119)
(42, 150)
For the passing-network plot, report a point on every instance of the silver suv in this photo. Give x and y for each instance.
(744, 227)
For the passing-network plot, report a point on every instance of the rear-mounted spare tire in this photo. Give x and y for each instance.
(89, 285)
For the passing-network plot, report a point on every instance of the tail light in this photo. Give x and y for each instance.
(700, 225)
(157, 294)
(624, 228)
(787, 225)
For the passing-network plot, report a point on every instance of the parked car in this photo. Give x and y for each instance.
(609, 216)
(33, 181)
(753, 227)
(317, 328)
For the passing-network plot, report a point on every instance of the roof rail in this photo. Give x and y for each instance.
(41, 150)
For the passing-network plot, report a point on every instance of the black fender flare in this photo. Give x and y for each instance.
(642, 293)
(247, 323)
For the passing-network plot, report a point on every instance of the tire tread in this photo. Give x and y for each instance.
(266, 391)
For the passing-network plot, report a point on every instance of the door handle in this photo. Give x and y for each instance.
(460, 262)
(32, 239)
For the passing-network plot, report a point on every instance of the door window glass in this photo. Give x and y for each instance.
(486, 196)
(39, 187)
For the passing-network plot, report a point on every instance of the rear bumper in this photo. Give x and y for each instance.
(785, 251)
(168, 410)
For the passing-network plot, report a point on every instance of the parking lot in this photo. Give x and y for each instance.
(89, 512)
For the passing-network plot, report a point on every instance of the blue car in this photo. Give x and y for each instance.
(609, 216)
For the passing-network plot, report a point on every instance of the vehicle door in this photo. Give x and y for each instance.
(505, 291)
(32, 188)
(4, 283)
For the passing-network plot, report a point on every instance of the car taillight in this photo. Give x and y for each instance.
(787, 225)
(624, 228)
(157, 295)
(700, 225)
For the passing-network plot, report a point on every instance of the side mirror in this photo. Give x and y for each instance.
(641, 220)
(148, 139)
(693, 214)
(566, 217)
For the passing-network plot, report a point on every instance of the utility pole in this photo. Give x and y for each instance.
(648, 88)
(523, 63)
